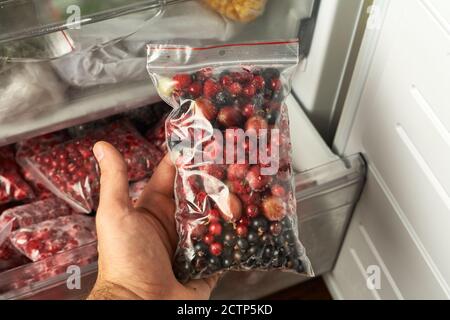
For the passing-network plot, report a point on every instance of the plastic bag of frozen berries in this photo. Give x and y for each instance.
(13, 187)
(70, 171)
(50, 237)
(228, 136)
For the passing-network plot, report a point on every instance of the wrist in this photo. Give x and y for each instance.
(104, 290)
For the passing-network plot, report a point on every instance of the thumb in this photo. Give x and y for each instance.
(113, 178)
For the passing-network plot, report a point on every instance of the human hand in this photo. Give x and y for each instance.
(136, 244)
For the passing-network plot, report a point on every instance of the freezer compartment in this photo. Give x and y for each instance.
(326, 196)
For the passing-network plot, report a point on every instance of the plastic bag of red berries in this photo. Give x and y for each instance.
(13, 187)
(70, 171)
(228, 137)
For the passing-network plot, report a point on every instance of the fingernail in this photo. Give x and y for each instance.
(98, 152)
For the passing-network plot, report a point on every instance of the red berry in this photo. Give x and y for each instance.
(238, 187)
(215, 228)
(243, 221)
(250, 198)
(235, 89)
(249, 91)
(237, 171)
(248, 110)
(213, 151)
(241, 230)
(252, 211)
(258, 82)
(216, 248)
(274, 208)
(208, 238)
(229, 117)
(182, 81)
(256, 180)
(213, 215)
(226, 81)
(206, 107)
(215, 170)
(210, 88)
(275, 84)
(256, 124)
(278, 190)
(195, 89)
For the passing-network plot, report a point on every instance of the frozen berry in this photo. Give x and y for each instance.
(270, 73)
(223, 98)
(274, 208)
(256, 180)
(213, 215)
(255, 124)
(198, 231)
(259, 224)
(227, 262)
(229, 117)
(272, 117)
(200, 249)
(229, 239)
(250, 198)
(226, 80)
(234, 89)
(243, 221)
(241, 230)
(252, 237)
(182, 81)
(238, 187)
(214, 263)
(252, 211)
(208, 239)
(207, 109)
(258, 101)
(276, 228)
(248, 110)
(214, 170)
(195, 89)
(237, 171)
(210, 88)
(216, 248)
(275, 84)
(278, 190)
(215, 228)
(258, 82)
(242, 244)
(249, 91)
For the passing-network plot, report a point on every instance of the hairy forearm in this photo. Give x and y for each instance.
(109, 291)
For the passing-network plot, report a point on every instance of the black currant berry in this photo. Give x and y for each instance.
(223, 98)
(252, 237)
(242, 244)
(227, 262)
(201, 249)
(272, 117)
(276, 228)
(229, 239)
(199, 263)
(214, 263)
(258, 101)
(259, 224)
(270, 73)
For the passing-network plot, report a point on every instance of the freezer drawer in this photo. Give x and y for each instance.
(326, 196)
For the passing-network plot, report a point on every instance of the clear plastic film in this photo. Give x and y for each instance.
(228, 137)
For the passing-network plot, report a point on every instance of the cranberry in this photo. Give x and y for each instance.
(258, 82)
(249, 110)
(216, 249)
(255, 124)
(250, 198)
(213, 215)
(226, 81)
(249, 91)
(229, 117)
(207, 109)
(195, 89)
(274, 208)
(234, 89)
(252, 211)
(215, 228)
(208, 238)
(243, 221)
(256, 180)
(182, 81)
(238, 187)
(237, 171)
(276, 228)
(215, 170)
(275, 84)
(278, 190)
(210, 88)
(241, 230)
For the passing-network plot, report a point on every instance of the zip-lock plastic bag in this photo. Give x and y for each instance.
(228, 137)
(50, 237)
(70, 171)
(13, 187)
(35, 212)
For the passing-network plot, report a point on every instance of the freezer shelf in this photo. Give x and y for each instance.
(44, 17)
(326, 196)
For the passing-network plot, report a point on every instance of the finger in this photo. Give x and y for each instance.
(113, 177)
(163, 178)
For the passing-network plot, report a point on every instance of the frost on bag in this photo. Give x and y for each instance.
(13, 187)
(228, 136)
(10, 257)
(71, 172)
(50, 237)
(35, 212)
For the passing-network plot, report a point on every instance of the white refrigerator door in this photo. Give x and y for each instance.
(397, 114)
